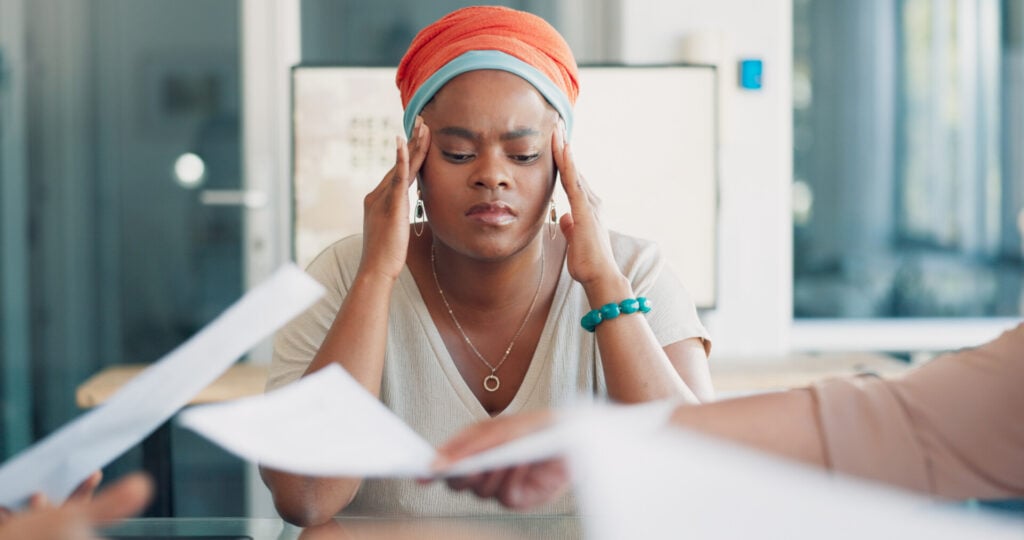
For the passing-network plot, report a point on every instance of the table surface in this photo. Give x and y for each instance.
(240, 380)
(737, 376)
(512, 527)
(508, 527)
(729, 375)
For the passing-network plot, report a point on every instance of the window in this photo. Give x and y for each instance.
(909, 176)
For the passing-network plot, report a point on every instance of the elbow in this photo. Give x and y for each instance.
(307, 502)
(308, 511)
(301, 515)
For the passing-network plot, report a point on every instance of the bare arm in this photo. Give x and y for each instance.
(357, 338)
(782, 423)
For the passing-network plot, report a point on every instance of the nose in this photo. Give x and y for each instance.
(491, 172)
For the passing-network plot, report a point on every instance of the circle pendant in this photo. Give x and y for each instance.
(491, 383)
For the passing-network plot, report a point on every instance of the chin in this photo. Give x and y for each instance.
(494, 247)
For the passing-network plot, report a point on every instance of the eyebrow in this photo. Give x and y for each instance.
(464, 133)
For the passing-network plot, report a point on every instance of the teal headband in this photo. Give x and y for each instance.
(476, 60)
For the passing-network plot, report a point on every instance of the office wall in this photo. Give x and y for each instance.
(755, 242)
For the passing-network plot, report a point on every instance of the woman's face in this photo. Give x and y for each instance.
(489, 172)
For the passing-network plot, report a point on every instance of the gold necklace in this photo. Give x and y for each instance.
(491, 382)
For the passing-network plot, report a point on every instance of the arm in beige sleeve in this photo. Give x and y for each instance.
(951, 428)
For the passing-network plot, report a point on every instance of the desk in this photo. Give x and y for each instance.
(512, 527)
(730, 376)
(740, 376)
(240, 380)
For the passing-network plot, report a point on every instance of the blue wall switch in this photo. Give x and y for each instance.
(750, 74)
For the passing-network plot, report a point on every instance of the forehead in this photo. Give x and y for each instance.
(490, 95)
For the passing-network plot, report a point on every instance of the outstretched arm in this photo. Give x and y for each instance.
(782, 423)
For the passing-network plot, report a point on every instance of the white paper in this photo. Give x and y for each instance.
(675, 484)
(326, 424)
(58, 463)
(628, 420)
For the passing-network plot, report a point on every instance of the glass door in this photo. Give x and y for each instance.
(135, 213)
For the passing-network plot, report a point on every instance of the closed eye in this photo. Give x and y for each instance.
(456, 157)
(524, 158)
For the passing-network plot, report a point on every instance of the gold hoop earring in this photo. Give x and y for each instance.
(419, 218)
(552, 220)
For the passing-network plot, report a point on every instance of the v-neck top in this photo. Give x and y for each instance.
(422, 385)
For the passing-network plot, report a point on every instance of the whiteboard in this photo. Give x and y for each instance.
(645, 138)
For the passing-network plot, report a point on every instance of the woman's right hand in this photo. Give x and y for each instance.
(386, 208)
(520, 487)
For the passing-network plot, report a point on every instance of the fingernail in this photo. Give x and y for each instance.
(417, 130)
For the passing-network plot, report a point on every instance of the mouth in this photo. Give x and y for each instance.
(491, 213)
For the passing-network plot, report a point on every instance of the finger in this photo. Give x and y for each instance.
(566, 223)
(401, 160)
(469, 441)
(124, 498)
(5, 514)
(379, 191)
(420, 146)
(38, 501)
(567, 172)
(398, 195)
(459, 483)
(488, 434)
(490, 484)
(511, 493)
(85, 490)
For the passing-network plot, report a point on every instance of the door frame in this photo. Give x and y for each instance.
(15, 339)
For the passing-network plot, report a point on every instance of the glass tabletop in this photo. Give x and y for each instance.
(476, 528)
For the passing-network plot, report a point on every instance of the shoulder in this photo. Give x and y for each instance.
(635, 255)
(338, 260)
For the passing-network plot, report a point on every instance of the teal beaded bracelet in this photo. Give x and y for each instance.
(606, 312)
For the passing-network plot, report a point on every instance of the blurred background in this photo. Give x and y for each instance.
(871, 185)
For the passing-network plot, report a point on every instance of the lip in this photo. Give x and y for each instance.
(491, 213)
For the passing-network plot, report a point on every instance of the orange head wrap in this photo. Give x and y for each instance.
(488, 37)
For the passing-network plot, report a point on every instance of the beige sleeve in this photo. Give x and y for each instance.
(953, 427)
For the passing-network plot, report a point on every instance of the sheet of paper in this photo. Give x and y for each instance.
(58, 463)
(674, 484)
(327, 424)
(629, 420)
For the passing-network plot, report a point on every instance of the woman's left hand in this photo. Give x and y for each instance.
(589, 254)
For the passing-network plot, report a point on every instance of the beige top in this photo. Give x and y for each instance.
(953, 427)
(423, 387)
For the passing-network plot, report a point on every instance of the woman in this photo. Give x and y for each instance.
(475, 310)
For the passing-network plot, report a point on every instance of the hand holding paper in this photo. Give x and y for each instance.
(58, 463)
(298, 429)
